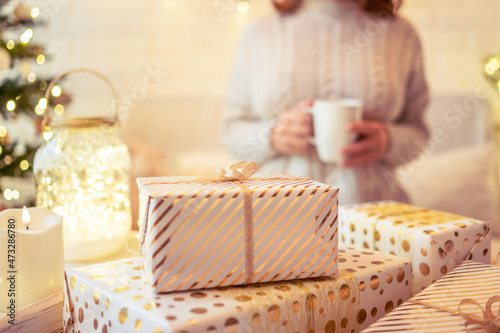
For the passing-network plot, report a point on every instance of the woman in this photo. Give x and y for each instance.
(329, 49)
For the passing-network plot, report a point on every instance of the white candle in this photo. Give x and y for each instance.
(31, 257)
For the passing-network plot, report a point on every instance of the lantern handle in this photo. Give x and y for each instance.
(46, 117)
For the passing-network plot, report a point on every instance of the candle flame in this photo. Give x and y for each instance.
(26, 217)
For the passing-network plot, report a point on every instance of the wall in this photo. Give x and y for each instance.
(457, 35)
(191, 43)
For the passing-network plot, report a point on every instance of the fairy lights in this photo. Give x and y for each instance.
(40, 59)
(85, 179)
(26, 36)
(11, 105)
(492, 66)
(492, 70)
(56, 91)
(35, 12)
(59, 110)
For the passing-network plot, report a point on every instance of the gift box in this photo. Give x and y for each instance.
(198, 233)
(465, 300)
(436, 242)
(117, 297)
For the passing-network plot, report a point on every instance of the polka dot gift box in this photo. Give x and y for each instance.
(203, 233)
(116, 297)
(436, 242)
(465, 300)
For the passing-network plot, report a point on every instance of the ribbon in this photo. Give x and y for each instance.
(489, 319)
(237, 174)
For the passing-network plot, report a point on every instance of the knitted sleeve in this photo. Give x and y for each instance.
(245, 135)
(409, 134)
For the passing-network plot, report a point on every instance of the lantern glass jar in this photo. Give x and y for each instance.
(82, 173)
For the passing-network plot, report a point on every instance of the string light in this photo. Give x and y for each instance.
(59, 109)
(1, 149)
(3, 131)
(56, 91)
(492, 69)
(11, 105)
(75, 187)
(495, 63)
(492, 66)
(24, 165)
(7, 194)
(10, 44)
(243, 7)
(41, 106)
(35, 12)
(47, 135)
(11, 194)
(40, 59)
(42, 103)
(31, 77)
(39, 111)
(489, 69)
(26, 36)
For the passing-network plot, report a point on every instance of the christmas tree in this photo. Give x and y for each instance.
(21, 101)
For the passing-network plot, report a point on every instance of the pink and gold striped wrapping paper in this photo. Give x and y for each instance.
(192, 234)
(438, 309)
(436, 242)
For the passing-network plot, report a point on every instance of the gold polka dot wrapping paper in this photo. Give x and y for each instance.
(436, 242)
(465, 300)
(116, 297)
(194, 233)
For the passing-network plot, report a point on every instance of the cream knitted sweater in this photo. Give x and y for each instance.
(329, 50)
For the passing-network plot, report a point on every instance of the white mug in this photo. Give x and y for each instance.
(330, 119)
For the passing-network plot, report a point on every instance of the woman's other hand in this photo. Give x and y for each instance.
(371, 146)
(290, 135)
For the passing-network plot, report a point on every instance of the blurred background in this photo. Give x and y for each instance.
(170, 61)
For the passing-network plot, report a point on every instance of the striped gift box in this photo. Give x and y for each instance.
(465, 300)
(194, 234)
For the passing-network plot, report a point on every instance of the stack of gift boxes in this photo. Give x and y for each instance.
(234, 253)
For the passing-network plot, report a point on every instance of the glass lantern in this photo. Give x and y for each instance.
(82, 173)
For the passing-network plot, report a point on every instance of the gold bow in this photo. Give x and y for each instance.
(489, 319)
(238, 171)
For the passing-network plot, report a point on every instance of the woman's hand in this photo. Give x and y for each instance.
(291, 133)
(372, 145)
